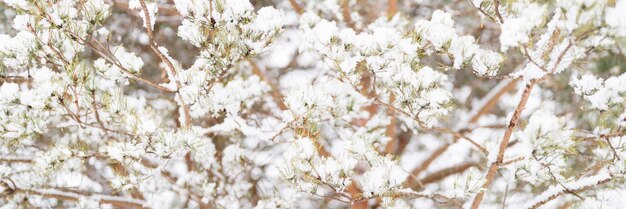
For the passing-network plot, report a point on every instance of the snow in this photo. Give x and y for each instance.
(268, 19)
(615, 17)
(289, 110)
(486, 62)
(579, 184)
(515, 30)
(463, 49)
(189, 31)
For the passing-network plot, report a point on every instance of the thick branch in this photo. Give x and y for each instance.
(505, 142)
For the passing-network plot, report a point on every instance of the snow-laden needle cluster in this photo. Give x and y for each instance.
(312, 104)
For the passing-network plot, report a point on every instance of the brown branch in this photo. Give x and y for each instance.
(413, 178)
(443, 173)
(436, 129)
(108, 55)
(392, 8)
(70, 195)
(153, 44)
(354, 191)
(345, 12)
(560, 58)
(296, 7)
(16, 159)
(435, 197)
(514, 160)
(414, 117)
(565, 191)
(13, 79)
(97, 114)
(601, 136)
(483, 12)
(511, 126)
(505, 142)
(166, 60)
(497, 9)
(493, 101)
(532, 60)
(615, 155)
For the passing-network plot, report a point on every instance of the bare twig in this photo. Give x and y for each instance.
(166, 60)
(497, 9)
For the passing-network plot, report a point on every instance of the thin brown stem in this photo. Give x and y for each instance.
(413, 117)
(107, 55)
(497, 10)
(166, 60)
(97, 114)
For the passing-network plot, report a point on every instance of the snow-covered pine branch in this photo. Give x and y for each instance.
(312, 104)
